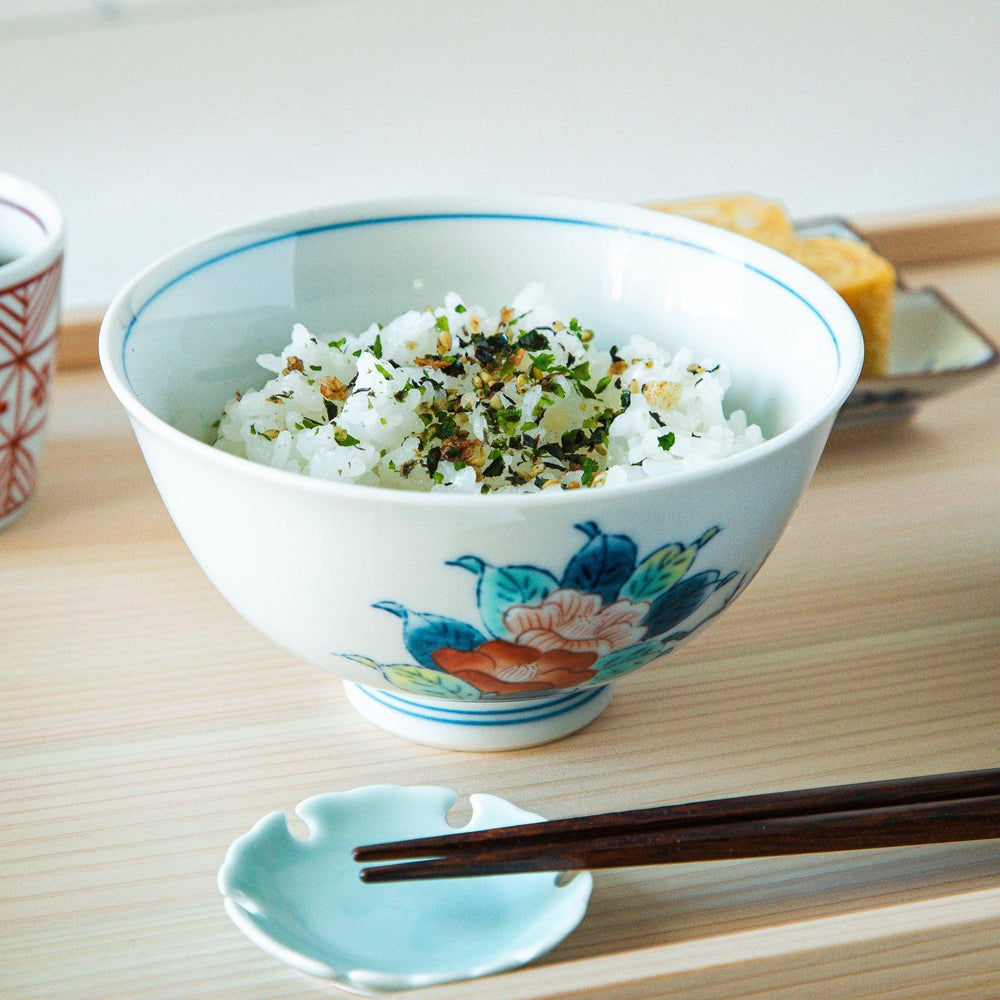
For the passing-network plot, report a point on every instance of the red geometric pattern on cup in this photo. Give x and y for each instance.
(28, 321)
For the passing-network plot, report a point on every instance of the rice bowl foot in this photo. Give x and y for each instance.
(480, 726)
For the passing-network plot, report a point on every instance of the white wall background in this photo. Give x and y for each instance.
(157, 121)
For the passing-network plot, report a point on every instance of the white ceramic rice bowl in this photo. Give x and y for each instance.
(478, 622)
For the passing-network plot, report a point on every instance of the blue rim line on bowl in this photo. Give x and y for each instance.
(513, 715)
(444, 216)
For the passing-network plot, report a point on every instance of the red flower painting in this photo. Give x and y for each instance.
(499, 667)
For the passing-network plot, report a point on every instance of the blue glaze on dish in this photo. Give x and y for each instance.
(302, 901)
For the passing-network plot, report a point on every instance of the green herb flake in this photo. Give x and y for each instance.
(344, 439)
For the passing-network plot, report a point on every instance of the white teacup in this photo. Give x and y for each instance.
(31, 252)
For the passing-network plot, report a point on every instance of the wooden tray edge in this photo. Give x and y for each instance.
(957, 234)
(76, 346)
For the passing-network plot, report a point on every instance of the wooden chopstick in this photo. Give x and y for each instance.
(895, 826)
(900, 812)
(831, 798)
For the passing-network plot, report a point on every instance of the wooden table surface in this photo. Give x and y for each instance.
(145, 726)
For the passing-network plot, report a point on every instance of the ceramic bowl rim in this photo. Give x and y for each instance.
(29, 199)
(831, 310)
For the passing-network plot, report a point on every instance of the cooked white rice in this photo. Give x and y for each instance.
(458, 399)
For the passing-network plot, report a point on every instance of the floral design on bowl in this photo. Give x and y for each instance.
(607, 614)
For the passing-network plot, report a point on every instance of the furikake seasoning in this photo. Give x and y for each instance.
(457, 398)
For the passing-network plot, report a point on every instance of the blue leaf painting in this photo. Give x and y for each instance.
(603, 564)
(624, 661)
(501, 587)
(425, 633)
(685, 597)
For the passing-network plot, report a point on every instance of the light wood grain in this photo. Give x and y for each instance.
(145, 726)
